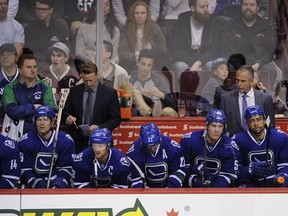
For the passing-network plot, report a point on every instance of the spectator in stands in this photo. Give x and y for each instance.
(262, 152)
(216, 79)
(13, 8)
(121, 8)
(27, 11)
(24, 95)
(250, 35)
(234, 62)
(13, 32)
(211, 154)
(36, 149)
(76, 12)
(170, 12)
(194, 39)
(10, 170)
(90, 103)
(9, 70)
(149, 88)
(86, 36)
(100, 165)
(51, 30)
(160, 160)
(233, 102)
(141, 32)
(114, 75)
(59, 74)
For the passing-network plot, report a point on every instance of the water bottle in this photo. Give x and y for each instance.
(126, 106)
(157, 108)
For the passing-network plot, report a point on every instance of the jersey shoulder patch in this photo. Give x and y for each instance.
(124, 161)
(9, 143)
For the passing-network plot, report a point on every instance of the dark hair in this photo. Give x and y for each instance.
(47, 2)
(146, 53)
(108, 46)
(235, 61)
(88, 68)
(192, 3)
(23, 57)
(110, 21)
(257, 2)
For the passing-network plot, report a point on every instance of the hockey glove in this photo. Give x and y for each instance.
(199, 170)
(259, 169)
(197, 182)
(59, 183)
(38, 183)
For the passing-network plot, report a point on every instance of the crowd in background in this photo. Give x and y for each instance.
(155, 51)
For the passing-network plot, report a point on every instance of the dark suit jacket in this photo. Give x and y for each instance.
(106, 111)
(229, 104)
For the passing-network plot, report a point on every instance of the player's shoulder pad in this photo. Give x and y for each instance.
(78, 157)
(234, 145)
(131, 149)
(24, 137)
(187, 135)
(9, 143)
(69, 137)
(124, 161)
(175, 144)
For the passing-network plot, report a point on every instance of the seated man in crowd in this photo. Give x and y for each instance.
(150, 88)
(59, 74)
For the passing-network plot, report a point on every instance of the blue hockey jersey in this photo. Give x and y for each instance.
(167, 168)
(253, 151)
(9, 163)
(90, 173)
(36, 158)
(221, 158)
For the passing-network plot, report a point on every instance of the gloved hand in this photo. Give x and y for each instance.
(197, 182)
(199, 171)
(38, 183)
(259, 169)
(59, 183)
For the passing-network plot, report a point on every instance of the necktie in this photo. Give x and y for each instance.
(88, 108)
(244, 107)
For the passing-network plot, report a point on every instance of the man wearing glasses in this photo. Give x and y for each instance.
(45, 31)
(9, 70)
(14, 32)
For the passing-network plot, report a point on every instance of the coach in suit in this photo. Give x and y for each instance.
(90, 103)
(231, 102)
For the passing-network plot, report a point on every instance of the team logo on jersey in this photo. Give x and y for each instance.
(37, 95)
(43, 161)
(101, 181)
(9, 143)
(78, 157)
(125, 162)
(261, 156)
(156, 172)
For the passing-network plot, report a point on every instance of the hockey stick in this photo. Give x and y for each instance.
(204, 180)
(95, 162)
(268, 142)
(142, 175)
(64, 95)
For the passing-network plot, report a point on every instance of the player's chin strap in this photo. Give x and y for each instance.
(95, 162)
(204, 180)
